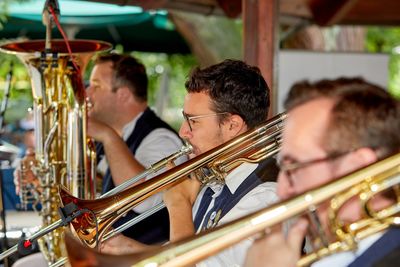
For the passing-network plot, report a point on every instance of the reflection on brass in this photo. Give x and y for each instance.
(253, 146)
(364, 184)
(63, 153)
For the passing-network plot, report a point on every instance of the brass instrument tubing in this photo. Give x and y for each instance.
(14, 249)
(203, 159)
(150, 212)
(187, 149)
(60, 262)
(269, 151)
(132, 196)
(49, 140)
(160, 206)
(199, 247)
(143, 215)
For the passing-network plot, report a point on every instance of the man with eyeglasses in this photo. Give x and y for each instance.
(334, 127)
(222, 101)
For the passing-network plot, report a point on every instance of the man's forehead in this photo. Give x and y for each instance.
(321, 104)
(305, 127)
(194, 101)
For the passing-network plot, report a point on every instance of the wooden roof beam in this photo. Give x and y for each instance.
(329, 12)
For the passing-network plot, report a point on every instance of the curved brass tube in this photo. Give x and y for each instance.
(63, 153)
(252, 146)
(365, 183)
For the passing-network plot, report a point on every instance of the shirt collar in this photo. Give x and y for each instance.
(235, 178)
(128, 128)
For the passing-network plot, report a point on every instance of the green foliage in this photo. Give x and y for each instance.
(4, 9)
(178, 67)
(20, 95)
(385, 40)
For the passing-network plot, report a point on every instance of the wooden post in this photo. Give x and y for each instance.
(260, 41)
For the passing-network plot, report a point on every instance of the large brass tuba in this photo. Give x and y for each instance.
(63, 153)
(364, 184)
(253, 146)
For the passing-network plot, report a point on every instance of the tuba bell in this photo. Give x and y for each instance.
(63, 153)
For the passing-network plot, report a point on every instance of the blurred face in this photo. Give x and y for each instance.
(302, 138)
(101, 97)
(205, 132)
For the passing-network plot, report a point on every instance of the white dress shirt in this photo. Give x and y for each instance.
(261, 196)
(343, 259)
(157, 145)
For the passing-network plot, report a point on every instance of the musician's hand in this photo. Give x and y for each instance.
(29, 176)
(276, 250)
(179, 201)
(183, 193)
(101, 132)
(121, 244)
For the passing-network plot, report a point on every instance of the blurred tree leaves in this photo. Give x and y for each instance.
(387, 40)
(4, 9)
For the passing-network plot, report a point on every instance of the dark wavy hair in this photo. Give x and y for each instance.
(129, 72)
(234, 87)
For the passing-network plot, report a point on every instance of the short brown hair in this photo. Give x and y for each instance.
(127, 71)
(234, 87)
(364, 114)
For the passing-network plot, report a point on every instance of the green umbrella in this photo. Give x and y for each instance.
(129, 26)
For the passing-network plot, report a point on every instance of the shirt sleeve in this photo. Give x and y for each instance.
(157, 145)
(260, 197)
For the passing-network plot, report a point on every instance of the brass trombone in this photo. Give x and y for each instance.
(365, 184)
(251, 146)
(155, 167)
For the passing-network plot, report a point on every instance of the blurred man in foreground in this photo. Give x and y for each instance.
(333, 128)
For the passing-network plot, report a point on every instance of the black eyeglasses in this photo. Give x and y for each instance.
(189, 119)
(290, 168)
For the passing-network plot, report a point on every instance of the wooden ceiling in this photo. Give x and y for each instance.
(321, 12)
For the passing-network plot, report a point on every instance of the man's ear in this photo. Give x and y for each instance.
(235, 125)
(355, 160)
(123, 94)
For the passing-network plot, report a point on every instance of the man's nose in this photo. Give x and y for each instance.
(285, 189)
(184, 131)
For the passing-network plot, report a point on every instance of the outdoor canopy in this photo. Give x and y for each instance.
(129, 26)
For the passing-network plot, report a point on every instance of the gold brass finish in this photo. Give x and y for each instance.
(364, 184)
(252, 146)
(63, 153)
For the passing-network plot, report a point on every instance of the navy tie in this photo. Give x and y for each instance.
(215, 214)
(204, 203)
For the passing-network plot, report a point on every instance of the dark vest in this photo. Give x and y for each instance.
(266, 171)
(385, 252)
(155, 228)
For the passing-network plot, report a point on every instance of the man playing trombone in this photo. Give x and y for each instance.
(334, 127)
(223, 101)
